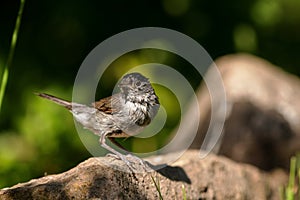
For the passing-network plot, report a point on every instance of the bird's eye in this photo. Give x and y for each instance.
(138, 83)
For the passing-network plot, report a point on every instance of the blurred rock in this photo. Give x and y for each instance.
(210, 178)
(263, 112)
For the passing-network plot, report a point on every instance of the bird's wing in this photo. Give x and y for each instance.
(108, 105)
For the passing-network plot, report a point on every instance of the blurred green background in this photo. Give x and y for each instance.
(38, 137)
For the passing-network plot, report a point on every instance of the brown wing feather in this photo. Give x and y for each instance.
(105, 104)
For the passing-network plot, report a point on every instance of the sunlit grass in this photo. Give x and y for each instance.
(183, 192)
(158, 189)
(11, 53)
(157, 186)
(291, 191)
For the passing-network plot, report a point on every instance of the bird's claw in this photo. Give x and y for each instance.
(131, 160)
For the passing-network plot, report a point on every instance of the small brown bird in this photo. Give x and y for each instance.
(123, 114)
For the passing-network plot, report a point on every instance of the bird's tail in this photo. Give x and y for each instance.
(66, 104)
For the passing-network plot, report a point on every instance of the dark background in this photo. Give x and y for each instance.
(37, 137)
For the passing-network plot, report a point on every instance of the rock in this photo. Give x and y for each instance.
(99, 178)
(263, 118)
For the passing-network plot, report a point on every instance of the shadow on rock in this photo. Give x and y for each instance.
(173, 173)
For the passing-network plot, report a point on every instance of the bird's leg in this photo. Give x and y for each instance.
(142, 162)
(115, 152)
(123, 157)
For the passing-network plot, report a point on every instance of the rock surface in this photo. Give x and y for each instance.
(263, 112)
(98, 178)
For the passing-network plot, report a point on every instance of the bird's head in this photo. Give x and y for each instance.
(135, 83)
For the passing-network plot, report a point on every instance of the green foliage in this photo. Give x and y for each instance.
(45, 138)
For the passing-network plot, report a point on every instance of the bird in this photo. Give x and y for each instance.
(121, 115)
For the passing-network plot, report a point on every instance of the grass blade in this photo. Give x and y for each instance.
(157, 186)
(183, 192)
(11, 52)
(291, 185)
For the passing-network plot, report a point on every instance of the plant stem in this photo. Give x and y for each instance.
(291, 184)
(11, 52)
(157, 186)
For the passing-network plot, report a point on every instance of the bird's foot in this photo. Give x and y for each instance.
(131, 161)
